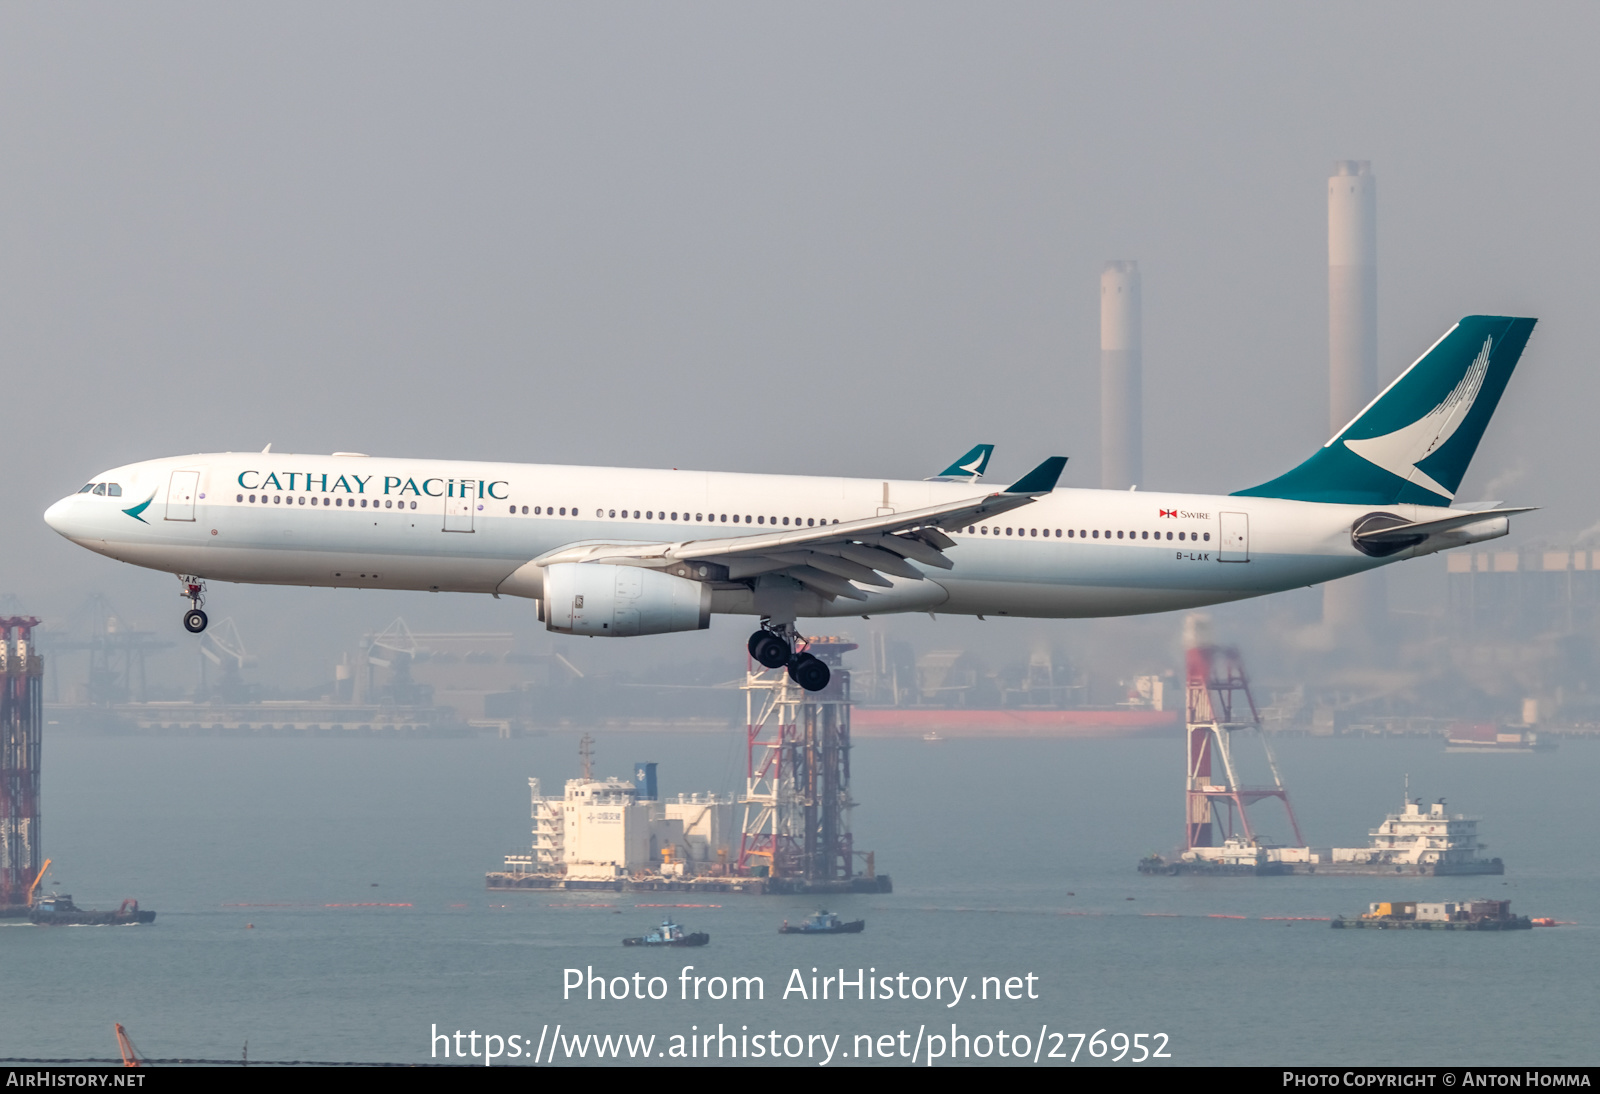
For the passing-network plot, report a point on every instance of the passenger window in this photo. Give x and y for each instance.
(984, 530)
(238, 497)
(276, 498)
(1169, 535)
(724, 518)
(1208, 537)
(414, 505)
(1033, 531)
(698, 517)
(1180, 535)
(363, 503)
(1069, 533)
(1144, 535)
(302, 499)
(785, 520)
(810, 521)
(1097, 533)
(252, 499)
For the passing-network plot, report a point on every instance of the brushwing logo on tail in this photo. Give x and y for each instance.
(1399, 452)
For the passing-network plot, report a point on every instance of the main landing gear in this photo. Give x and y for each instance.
(194, 591)
(774, 648)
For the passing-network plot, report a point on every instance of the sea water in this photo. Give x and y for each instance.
(323, 899)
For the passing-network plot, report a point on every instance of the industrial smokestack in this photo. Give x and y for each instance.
(1353, 603)
(1352, 291)
(1121, 395)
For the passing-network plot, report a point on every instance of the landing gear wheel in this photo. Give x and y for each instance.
(809, 672)
(769, 649)
(194, 621)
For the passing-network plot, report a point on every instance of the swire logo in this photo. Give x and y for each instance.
(1169, 512)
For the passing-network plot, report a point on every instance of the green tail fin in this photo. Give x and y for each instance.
(1412, 443)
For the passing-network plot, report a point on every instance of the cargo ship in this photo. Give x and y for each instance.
(1466, 737)
(1466, 915)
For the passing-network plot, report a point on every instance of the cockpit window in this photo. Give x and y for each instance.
(86, 488)
(114, 489)
(100, 488)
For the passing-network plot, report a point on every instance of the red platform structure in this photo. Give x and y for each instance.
(1219, 704)
(21, 719)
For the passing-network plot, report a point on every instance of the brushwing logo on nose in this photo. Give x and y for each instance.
(137, 511)
(1399, 452)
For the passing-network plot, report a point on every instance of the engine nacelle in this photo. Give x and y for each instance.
(601, 600)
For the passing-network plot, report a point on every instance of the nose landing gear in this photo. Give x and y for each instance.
(194, 591)
(773, 646)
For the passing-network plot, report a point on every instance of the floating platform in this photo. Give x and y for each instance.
(1157, 866)
(1517, 923)
(1462, 915)
(754, 886)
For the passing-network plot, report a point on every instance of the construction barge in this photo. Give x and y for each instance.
(1473, 915)
(1414, 842)
(1410, 843)
(787, 834)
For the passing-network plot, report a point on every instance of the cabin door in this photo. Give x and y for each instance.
(1235, 537)
(181, 491)
(458, 510)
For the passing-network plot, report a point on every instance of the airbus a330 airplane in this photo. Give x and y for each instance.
(624, 552)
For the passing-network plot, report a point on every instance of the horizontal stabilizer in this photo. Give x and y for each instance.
(1384, 534)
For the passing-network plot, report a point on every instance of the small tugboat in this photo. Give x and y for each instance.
(57, 910)
(823, 922)
(669, 934)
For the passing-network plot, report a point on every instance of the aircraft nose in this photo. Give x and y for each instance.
(59, 516)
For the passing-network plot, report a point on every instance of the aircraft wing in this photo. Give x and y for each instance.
(827, 558)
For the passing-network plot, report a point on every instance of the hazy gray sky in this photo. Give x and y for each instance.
(850, 238)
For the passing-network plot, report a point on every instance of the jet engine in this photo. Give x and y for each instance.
(596, 599)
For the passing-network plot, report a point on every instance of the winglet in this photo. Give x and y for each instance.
(1042, 479)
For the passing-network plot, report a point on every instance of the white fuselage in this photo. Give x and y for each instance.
(450, 526)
